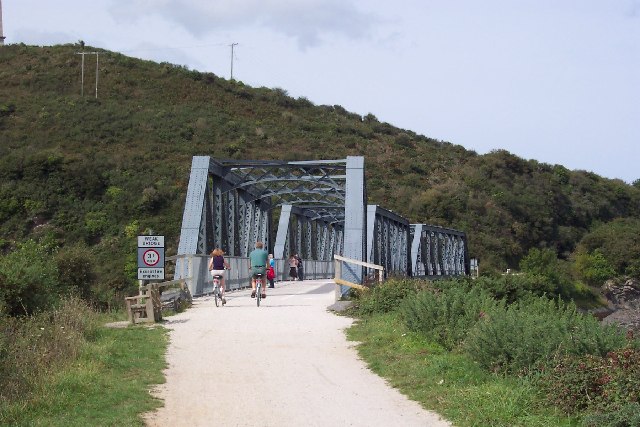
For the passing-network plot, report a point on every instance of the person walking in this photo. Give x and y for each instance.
(258, 265)
(271, 271)
(300, 267)
(293, 267)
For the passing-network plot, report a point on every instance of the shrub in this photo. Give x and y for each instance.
(626, 416)
(522, 335)
(514, 287)
(387, 296)
(28, 279)
(7, 109)
(606, 385)
(544, 266)
(594, 268)
(96, 222)
(75, 269)
(447, 315)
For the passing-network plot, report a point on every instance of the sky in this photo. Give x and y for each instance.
(557, 81)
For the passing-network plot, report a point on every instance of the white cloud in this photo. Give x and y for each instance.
(306, 21)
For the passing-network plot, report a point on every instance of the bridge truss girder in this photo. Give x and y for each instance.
(438, 251)
(388, 239)
(302, 233)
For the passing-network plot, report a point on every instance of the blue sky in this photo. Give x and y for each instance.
(553, 80)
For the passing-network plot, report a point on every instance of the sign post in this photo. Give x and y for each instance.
(150, 257)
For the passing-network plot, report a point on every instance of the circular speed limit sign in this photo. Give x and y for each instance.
(150, 257)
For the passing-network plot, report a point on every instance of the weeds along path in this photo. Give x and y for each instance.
(286, 363)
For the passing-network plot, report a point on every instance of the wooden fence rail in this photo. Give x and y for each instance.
(338, 260)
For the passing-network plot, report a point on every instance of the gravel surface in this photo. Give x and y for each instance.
(286, 363)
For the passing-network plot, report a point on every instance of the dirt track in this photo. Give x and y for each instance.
(286, 363)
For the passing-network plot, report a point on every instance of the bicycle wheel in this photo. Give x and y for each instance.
(216, 294)
(258, 293)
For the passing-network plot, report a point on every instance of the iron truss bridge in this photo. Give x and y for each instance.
(321, 210)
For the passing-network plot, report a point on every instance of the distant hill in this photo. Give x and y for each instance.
(100, 171)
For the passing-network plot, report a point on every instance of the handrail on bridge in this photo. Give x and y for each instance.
(338, 260)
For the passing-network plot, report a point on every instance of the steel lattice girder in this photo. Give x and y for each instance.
(438, 251)
(305, 236)
(388, 240)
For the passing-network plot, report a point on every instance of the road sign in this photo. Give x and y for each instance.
(151, 241)
(151, 274)
(150, 257)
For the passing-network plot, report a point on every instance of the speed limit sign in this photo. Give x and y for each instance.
(151, 257)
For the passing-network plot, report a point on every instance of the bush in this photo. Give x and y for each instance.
(28, 279)
(447, 315)
(606, 385)
(520, 336)
(594, 268)
(626, 416)
(75, 269)
(387, 296)
(514, 287)
(546, 268)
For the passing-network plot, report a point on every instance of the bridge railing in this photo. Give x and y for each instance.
(193, 269)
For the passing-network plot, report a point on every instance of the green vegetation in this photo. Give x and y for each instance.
(86, 175)
(480, 356)
(35, 276)
(55, 367)
(81, 177)
(449, 383)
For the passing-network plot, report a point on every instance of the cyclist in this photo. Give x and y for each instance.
(217, 265)
(258, 265)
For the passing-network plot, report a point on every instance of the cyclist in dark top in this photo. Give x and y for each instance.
(217, 265)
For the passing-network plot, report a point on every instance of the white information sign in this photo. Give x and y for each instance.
(151, 274)
(150, 257)
(151, 241)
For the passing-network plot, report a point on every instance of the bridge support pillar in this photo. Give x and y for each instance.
(355, 221)
(282, 233)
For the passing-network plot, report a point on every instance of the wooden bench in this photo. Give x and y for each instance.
(144, 307)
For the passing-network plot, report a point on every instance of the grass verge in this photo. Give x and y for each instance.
(108, 385)
(448, 383)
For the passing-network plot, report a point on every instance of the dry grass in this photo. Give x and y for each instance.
(36, 346)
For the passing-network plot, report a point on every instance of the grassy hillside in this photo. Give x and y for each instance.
(92, 173)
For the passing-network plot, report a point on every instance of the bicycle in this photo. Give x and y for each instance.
(217, 292)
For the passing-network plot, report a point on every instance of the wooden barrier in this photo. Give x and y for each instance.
(146, 307)
(338, 273)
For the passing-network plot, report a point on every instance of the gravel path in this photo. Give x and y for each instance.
(286, 363)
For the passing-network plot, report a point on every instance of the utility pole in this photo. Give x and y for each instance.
(232, 45)
(97, 54)
(1, 33)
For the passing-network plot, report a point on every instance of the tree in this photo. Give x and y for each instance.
(594, 268)
(544, 263)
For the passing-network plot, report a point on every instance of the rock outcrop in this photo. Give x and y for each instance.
(624, 299)
(623, 295)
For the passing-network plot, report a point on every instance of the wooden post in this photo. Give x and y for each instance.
(338, 275)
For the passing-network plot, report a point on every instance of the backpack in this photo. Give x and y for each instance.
(271, 274)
